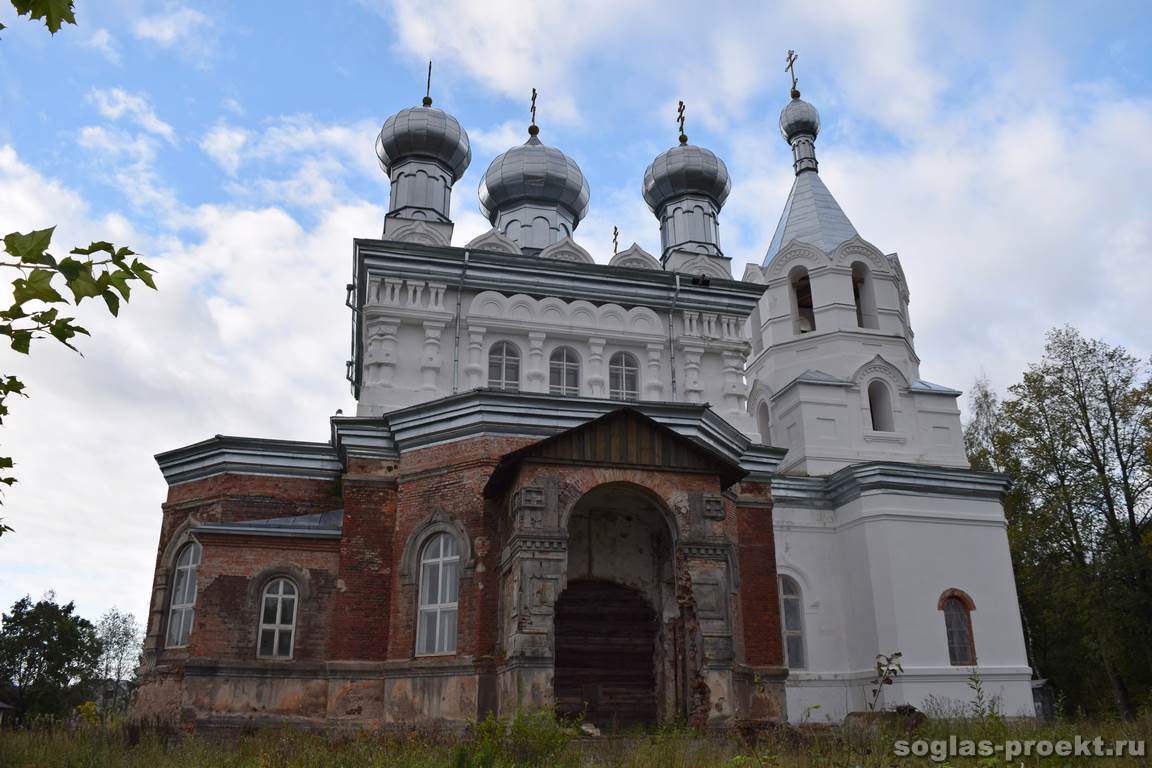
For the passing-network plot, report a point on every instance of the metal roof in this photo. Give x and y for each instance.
(812, 216)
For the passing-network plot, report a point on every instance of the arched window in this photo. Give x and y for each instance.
(278, 619)
(792, 622)
(182, 604)
(957, 607)
(864, 293)
(803, 315)
(504, 367)
(564, 372)
(880, 406)
(623, 377)
(763, 422)
(439, 592)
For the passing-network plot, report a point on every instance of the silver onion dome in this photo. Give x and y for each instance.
(533, 172)
(799, 118)
(686, 170)
(424, 132)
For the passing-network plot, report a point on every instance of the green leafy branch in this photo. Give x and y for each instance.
(39, 292)
(53, 12)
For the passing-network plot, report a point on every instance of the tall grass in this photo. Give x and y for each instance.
(538, 741)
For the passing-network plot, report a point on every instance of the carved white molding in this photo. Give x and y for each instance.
(567, 250)
(494, 241)
(520, 311)
(635, 257)
(417, 231)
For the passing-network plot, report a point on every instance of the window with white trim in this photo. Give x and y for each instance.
(792, 623)
(623, 377)
(182, 603)
(880, 406)
(564, 372)
(504, 367)
(278, 619)
(439, 593)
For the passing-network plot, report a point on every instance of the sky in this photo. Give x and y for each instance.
(1001, 149)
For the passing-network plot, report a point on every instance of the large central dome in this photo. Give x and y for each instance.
(686, 170)
(534, 173)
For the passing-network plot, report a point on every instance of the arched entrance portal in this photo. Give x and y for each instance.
(605, 654)
(617, 621)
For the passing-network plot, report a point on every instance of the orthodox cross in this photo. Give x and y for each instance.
(791, 69)
(533, 129)
(680, 119)
(428, 87)
(615, 239)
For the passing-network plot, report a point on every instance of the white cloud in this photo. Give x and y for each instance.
(220, 344)
(224, 144)
(185, 30)
(115, 103)
(103, 43)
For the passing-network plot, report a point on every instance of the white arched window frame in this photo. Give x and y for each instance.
(439, 595)
(792, 623)
(182, 603)
(504, 367)
(278, 606)
(880, 406)
(623, 377)
(564, 372)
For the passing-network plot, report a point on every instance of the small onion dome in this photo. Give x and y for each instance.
(533, 172)
(686, 170)
(799, 118)
(424, 132)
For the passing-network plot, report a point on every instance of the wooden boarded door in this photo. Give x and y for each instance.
(605, 654)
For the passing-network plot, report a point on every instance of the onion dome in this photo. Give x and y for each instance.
(424, 133)
(686, 170)
(799, 118)
(537, 174)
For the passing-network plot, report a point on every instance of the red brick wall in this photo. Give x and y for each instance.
(451, 479)
(232, 574)
(759, 603)
(363, 595)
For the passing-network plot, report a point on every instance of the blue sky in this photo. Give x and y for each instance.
(1001, 149)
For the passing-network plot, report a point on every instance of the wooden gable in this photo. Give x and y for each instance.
(623, 438)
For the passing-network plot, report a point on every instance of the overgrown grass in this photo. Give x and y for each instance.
(537, 741)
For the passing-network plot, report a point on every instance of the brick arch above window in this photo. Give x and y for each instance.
(959, 594)
(437, 522)
(301, 577)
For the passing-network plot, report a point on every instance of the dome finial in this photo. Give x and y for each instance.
(533, 129)
(428, 87)
(791, 69)
(680, 119)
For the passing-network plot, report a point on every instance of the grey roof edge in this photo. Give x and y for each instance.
(484, 411)
(289, 532)
(812, 376)
(226, 454)
(849, 483)
(928, 388)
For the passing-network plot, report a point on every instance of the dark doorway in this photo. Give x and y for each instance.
(605, 654)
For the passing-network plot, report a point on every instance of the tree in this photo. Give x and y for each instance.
(48, 656)
(119, 636)
(1076, 434)
(37, 297)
